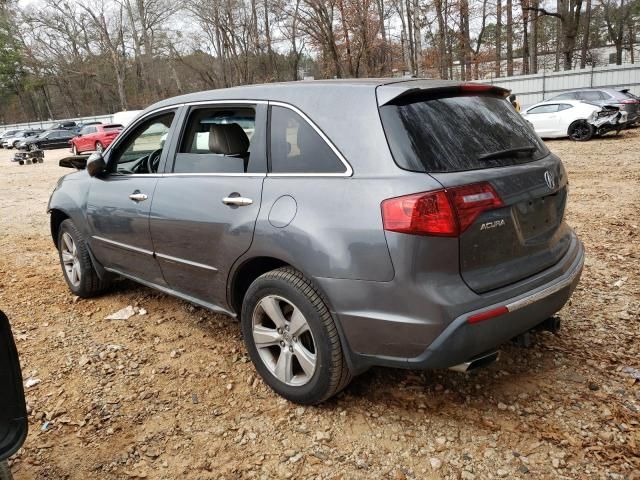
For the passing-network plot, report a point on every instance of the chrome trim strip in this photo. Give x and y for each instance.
(523, 302)
(231, 101)
(123, 245)
(259, 175)
(347, 173)
(349, 170)
(186, 262)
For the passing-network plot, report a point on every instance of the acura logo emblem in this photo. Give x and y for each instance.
(550, 179)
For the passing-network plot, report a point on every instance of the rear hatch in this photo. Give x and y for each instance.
(471, 135)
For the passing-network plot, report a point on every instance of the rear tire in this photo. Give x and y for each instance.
(299, 355)
(77, 268)
(580, 131)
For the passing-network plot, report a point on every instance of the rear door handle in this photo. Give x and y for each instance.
(138, 197)
(238, 201)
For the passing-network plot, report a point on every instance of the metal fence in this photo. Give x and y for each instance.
(50, 123)
(531, 89)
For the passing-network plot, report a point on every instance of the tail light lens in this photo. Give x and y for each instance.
(630, 100)
(446, 213)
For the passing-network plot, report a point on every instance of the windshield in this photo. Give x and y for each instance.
(454, 134)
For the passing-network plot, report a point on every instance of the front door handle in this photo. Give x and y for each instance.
(138, 197)
(238, 201)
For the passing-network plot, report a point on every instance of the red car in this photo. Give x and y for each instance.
(94, 138)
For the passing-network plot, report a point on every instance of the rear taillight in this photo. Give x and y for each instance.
(630, 100)
(445, 213)
(471, 200)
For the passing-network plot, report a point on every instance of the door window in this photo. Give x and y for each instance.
(141, 150)
(217, 140)
(543, 109)
(297, 148)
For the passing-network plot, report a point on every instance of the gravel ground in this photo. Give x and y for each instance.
(171, 393)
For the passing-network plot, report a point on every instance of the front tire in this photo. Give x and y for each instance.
(292, 338)
(77, 268)
(580, 131)
(74, 149)
(5, 471)
(99, 147)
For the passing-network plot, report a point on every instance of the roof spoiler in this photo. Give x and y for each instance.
(400, 92)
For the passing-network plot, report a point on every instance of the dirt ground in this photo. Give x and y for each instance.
(171, 394)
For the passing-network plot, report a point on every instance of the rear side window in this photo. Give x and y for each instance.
(566, 96)
(460, 133)
(297, 148)
(591, 95)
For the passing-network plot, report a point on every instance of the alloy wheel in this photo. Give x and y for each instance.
(284, 341)
(580, 131)
(70, 259)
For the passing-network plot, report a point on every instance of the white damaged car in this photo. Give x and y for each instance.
(577, 120)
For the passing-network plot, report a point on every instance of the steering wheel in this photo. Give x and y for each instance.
(152, 161)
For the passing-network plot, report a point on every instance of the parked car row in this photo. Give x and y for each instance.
(91, 136)
(583, 114)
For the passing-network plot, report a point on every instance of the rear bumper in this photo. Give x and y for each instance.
(408, 340)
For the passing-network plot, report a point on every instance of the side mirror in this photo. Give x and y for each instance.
(96, 164)
(13, 409)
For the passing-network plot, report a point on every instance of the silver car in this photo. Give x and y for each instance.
(346, 224)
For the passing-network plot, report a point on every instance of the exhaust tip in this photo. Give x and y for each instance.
(477, 362)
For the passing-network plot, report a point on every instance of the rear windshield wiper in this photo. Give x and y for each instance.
(507, 152)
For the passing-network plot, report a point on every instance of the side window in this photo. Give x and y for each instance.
(564, 106)
(217, 140)
(141, 149)
(591, 95)
(297, 148)
(84, 130)
(566, 96)
(543, 109)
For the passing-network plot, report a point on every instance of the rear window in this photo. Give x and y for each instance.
(454, 134)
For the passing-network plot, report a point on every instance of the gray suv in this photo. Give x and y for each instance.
(622, 99)
(347, 224)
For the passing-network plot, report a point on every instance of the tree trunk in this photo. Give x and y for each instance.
(533, 37)
(417, 34)
(410, 38)
(267, 31)
(631, 40)
(442, 45)
(498, 66)
(585, 35)
(509, 38)
(466, 39)
(345, 32)
(525, 37)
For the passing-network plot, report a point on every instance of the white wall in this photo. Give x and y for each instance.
(532, 89)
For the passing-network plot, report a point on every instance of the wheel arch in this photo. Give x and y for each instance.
(245, 273)
(57, 217)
